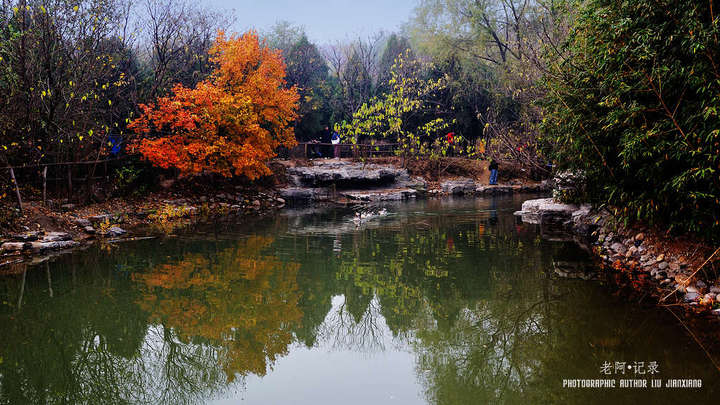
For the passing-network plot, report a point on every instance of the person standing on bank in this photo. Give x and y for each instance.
(451, 144)
(493, 172)
(326, 148)
(335, 140)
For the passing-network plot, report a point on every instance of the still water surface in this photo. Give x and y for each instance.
(438, 302)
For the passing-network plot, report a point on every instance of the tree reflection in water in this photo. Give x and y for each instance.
(238, 300)
(464, 288)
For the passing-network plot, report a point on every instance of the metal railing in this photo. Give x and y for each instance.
(310, 150)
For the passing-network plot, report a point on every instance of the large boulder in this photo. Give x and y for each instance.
(345, 175)
(458, 186)
(546, 210)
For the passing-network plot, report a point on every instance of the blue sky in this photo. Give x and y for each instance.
(324, 21)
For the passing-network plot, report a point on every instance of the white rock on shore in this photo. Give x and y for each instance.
(540, 210)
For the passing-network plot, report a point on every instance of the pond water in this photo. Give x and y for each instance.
(437, 302)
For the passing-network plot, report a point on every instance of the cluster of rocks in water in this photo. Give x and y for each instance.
(358, 182)
(471, 187)
(670, 272)
(227, 202)
(617, 246)
(42, 242)
(38, 242)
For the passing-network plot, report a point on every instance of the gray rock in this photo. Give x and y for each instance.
(458, 187)
(493, 190)
(631, 252)
(674, 266)
(53, 245)
(115, 231)
(89, 229)
(83, 222)
(14, 246)
(343, 174)
(56, 236)
(715, 289)
(691, 296)
(546, 210)
(663, 265)
(415, 183)
(691, 289)
(700, 284)
(302, 195)
(26, 237)
(618, 248)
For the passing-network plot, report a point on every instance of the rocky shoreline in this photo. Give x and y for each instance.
(75, 228)
(58, 231)
(638, 252)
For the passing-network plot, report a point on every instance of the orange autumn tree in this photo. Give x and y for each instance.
(229, 124)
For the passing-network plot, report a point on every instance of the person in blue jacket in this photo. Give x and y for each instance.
(493, 172)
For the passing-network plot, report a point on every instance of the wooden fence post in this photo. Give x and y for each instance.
(70, 188)
(17, 190)
(44, 184)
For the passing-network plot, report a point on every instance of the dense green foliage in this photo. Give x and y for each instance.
(491, 51)
(308, 71)
(634, 105)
